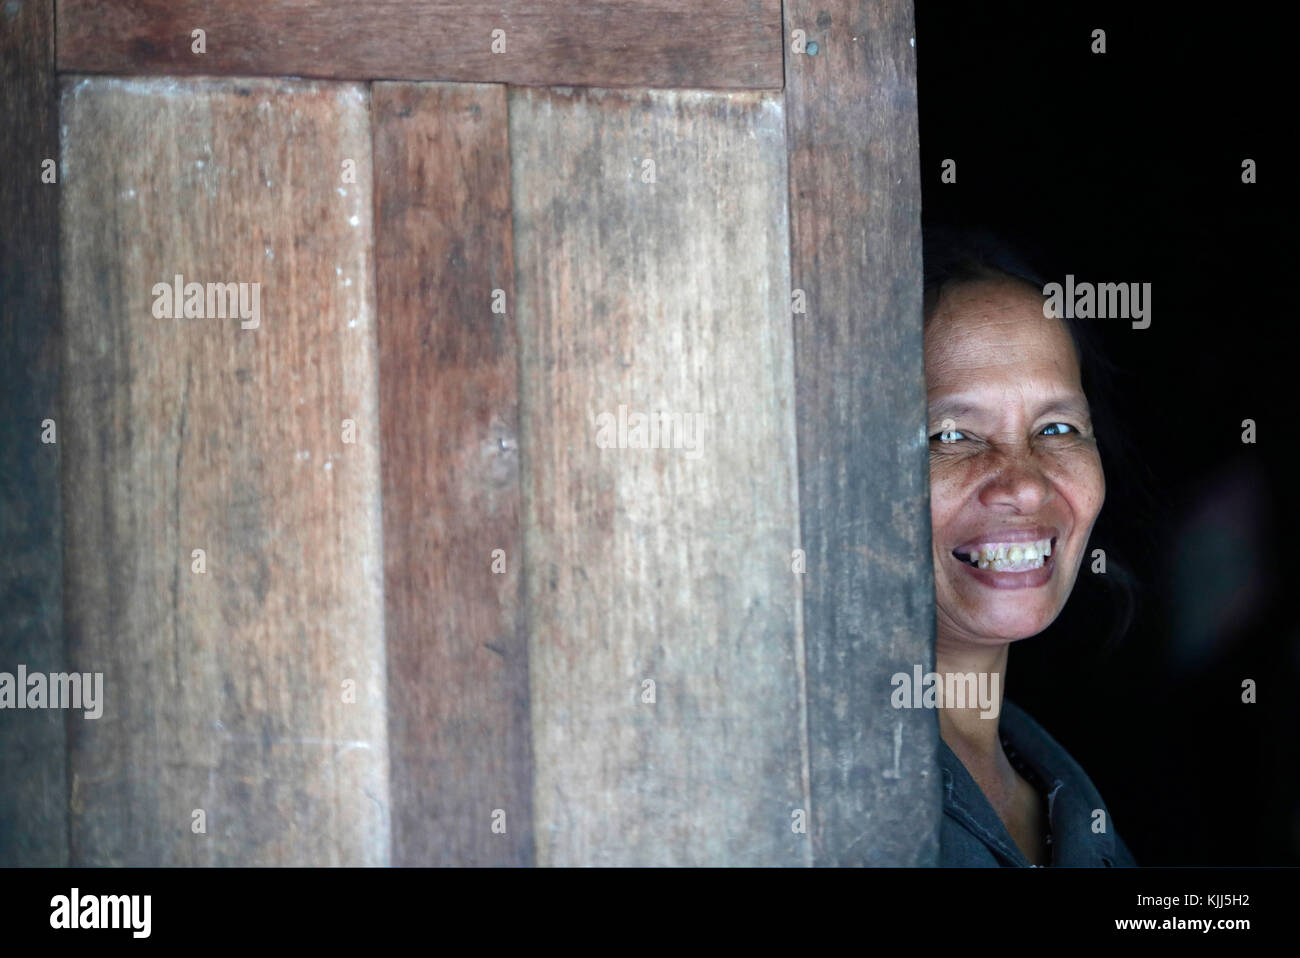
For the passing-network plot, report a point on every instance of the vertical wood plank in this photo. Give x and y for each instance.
(664, 565)
(863, 461)
(224, 690)
(33, 759)
(457, 657)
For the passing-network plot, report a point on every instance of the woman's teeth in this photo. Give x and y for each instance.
(1009, 557)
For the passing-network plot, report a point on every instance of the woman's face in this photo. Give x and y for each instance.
(1018, 475)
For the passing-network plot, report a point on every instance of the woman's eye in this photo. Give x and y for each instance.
(1058, 429)
(947, 435)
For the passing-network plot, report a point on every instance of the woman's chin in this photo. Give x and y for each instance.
(999, 613)
(993, 626)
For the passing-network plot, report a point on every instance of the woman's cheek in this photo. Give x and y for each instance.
(956, 473)
(1079, 470)
(945, 487)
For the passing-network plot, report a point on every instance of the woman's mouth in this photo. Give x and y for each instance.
(1006, 556)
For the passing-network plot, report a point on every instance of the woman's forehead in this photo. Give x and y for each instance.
(997, 328)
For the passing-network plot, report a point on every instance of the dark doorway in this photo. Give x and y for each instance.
(1127, 166)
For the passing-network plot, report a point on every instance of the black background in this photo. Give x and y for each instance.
(1126, 167)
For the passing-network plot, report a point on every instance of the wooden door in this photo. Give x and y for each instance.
(547, 486)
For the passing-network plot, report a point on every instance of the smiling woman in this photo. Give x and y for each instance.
(1016, 485)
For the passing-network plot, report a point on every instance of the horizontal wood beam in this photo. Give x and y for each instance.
(722, 44)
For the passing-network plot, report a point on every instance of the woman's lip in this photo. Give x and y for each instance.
(1029, 579)
(997, 536)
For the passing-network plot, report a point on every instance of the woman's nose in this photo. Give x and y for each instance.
(1016, 480)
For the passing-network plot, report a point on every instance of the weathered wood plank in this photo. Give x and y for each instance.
(457, 657)
(863, 461)
(727, 44)
(224, 691)
(33, 760)
(663, 565)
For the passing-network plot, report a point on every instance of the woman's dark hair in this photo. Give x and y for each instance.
(953, 256)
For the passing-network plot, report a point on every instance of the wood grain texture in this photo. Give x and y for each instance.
(667, 565)
(457, 657)
(863, 462)
(33, 759)
(224, 691)
(726, 44)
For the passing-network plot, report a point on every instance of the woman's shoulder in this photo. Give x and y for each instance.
(1082, 814)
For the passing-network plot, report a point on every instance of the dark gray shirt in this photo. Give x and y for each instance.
(971, 833)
